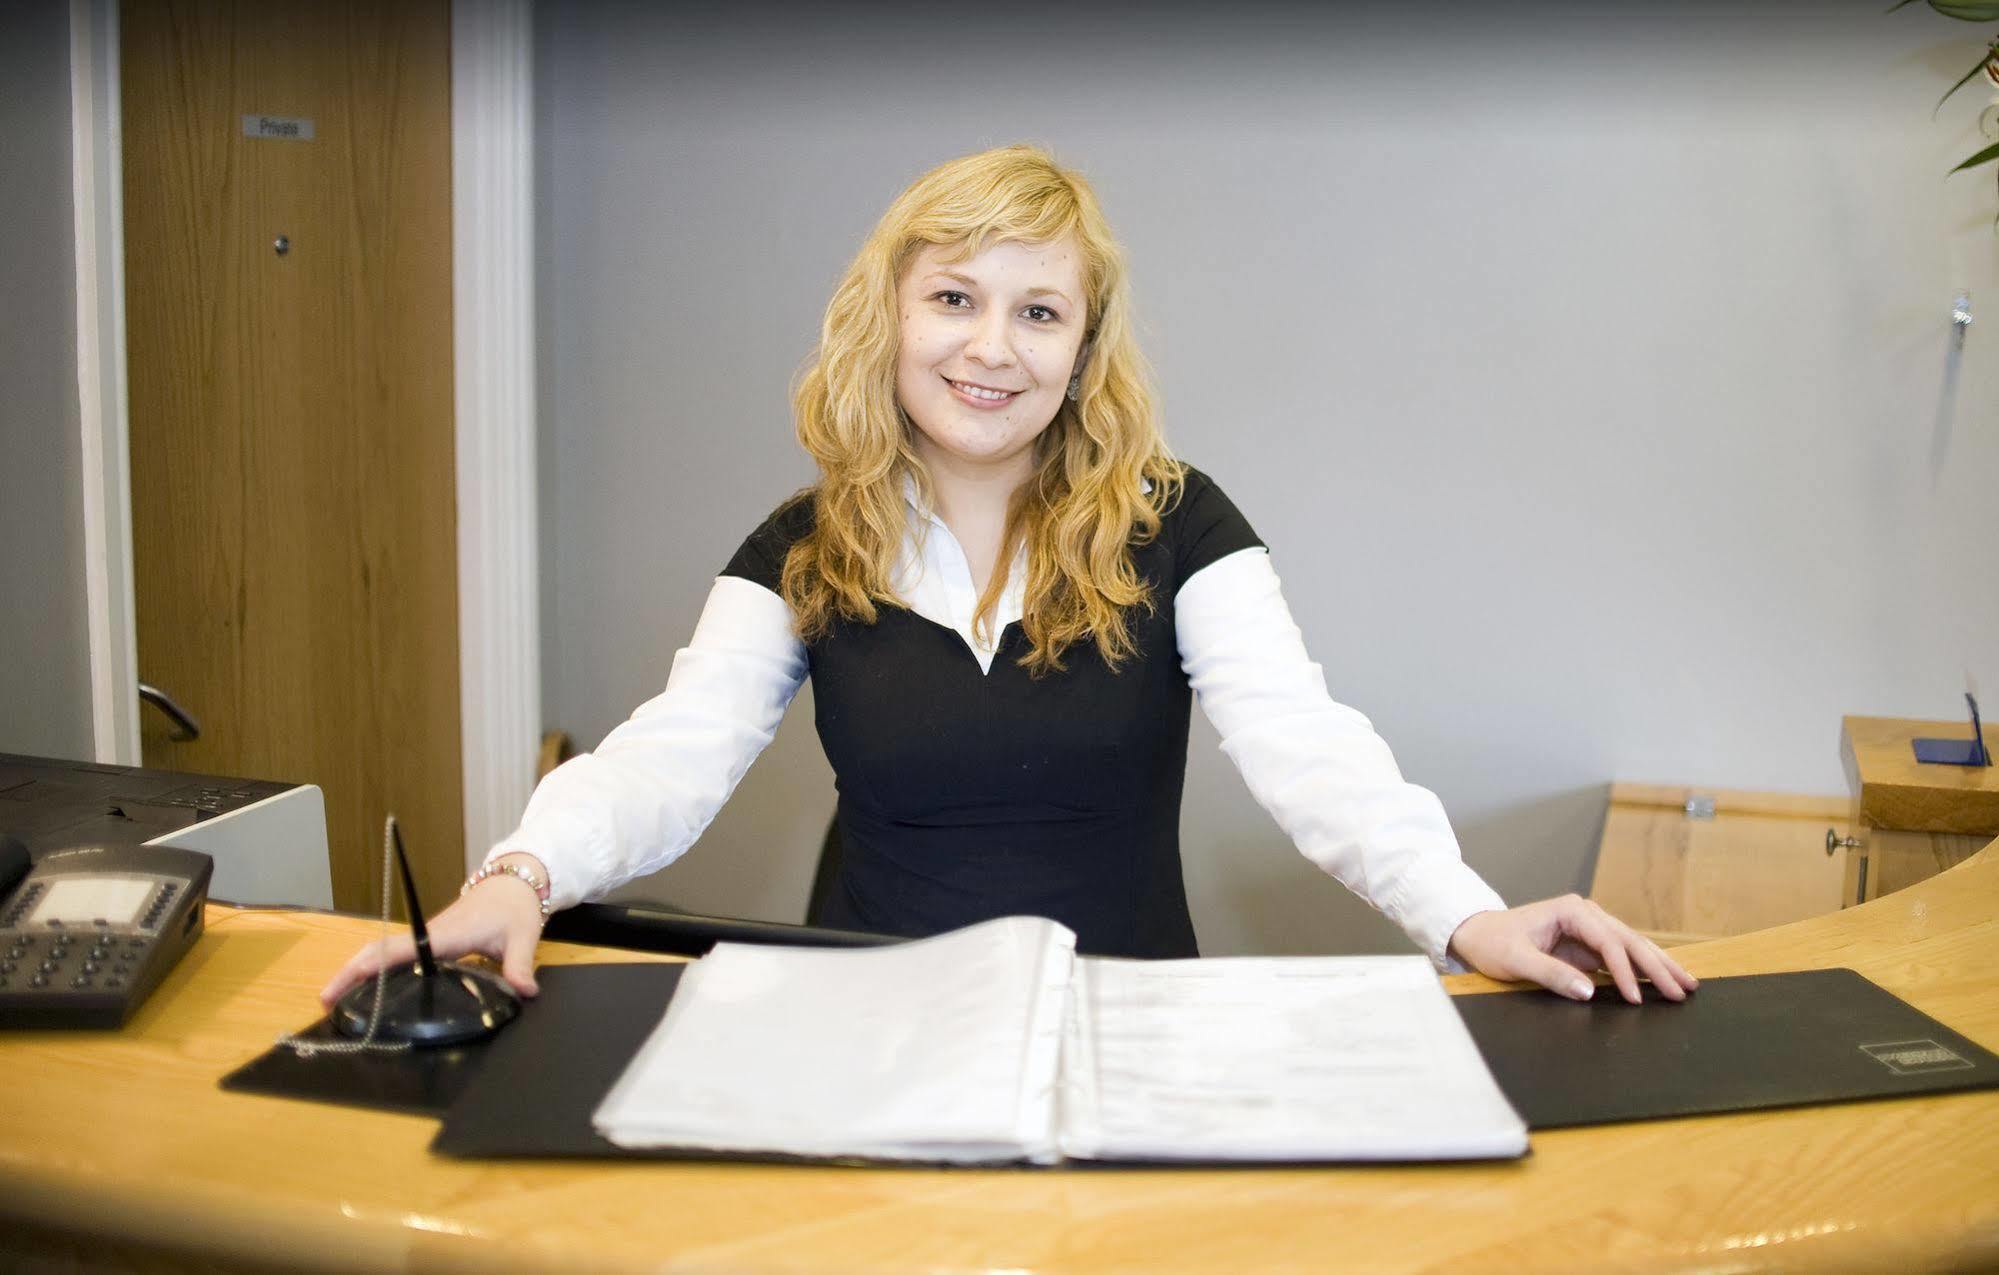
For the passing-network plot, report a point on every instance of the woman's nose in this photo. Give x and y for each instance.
(991, 342)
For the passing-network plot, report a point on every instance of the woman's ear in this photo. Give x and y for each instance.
(1083, 356)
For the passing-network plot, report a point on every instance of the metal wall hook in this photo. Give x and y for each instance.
(1960, 318)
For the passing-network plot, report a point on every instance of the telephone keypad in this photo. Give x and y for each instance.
(104, 962)
(108, 960)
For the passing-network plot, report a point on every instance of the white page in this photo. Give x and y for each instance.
(943, 1048)
(1281, 1058)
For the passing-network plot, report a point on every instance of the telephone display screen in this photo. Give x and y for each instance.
(85, 899)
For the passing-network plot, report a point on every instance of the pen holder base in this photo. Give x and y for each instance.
(460, 1003)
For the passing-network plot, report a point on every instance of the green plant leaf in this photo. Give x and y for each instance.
(1968, 10)
(1985, 156)
(1976, 69)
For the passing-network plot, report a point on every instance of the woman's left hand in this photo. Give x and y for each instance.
(1559, 942)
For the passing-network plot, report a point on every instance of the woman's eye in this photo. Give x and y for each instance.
(1041, 314)
(952, 298)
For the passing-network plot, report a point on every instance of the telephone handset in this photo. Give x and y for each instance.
(86, 933)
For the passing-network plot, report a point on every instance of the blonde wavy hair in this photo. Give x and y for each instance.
(1085, 506)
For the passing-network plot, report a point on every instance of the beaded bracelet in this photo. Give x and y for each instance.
(526, 874)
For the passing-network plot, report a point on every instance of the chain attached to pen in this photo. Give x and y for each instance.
(306, 1047)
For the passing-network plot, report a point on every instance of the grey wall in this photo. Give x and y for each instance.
(44, 649)
(1587, 371)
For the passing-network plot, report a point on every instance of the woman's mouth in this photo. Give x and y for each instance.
(980, 395)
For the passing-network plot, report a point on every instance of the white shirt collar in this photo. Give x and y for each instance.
(913, 496)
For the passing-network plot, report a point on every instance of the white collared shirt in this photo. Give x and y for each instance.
(642, 798)
(934, 577)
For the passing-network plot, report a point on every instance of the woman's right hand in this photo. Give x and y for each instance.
(500, 917)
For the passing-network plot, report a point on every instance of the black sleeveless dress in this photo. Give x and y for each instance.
(966, 795)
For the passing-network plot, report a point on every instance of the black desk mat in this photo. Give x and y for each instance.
(421, 1082)
(1737, 1044)
(544, 1074)
(1745, 1043)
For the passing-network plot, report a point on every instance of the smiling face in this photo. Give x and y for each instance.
(988, 346)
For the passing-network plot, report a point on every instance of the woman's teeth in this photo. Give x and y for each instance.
(979, 392)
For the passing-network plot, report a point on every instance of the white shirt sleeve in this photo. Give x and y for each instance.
(639, 801)
(1317, 766)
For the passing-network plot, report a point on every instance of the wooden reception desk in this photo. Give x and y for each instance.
(118, 1151)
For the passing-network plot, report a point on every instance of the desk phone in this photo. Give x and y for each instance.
(86, 933)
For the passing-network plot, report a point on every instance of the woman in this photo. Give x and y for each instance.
(1007, 593)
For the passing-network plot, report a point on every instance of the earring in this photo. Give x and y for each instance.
(1075, 384)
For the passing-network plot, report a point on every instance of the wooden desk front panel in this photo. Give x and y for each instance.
(126, 1137)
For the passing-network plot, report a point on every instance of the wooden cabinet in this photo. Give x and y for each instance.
(1911, 820)
(1685, 864)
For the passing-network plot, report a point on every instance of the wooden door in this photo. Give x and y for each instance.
(293, 512)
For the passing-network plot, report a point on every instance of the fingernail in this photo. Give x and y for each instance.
(1582, 989)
